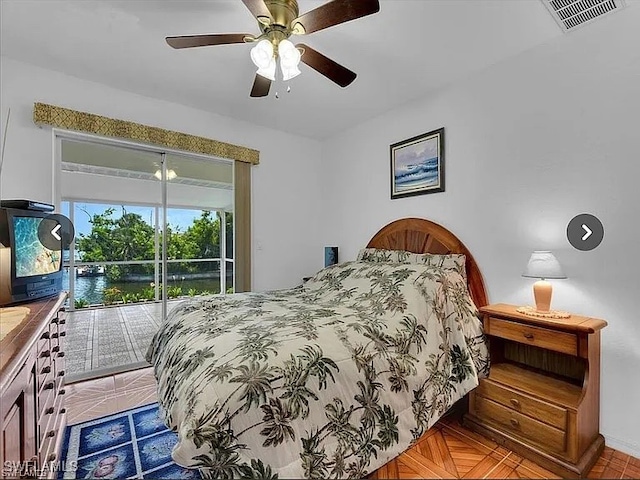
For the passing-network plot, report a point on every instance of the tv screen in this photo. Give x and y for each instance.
(31, 257)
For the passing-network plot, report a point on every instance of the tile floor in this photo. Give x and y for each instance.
(107, 395)
(448, 450)
(101, 341)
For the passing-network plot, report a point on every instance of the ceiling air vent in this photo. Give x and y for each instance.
(570, 14)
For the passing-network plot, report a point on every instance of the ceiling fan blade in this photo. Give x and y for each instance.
(257, 8)
(189, 41)
(261, 86)
(335, 13)
(327, 67)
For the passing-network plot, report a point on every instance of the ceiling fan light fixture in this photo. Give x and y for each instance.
(171, 174)
(289, 60)
(269, 71)
(278, 20)
(262, 54)
(289, 54)
(289, 72)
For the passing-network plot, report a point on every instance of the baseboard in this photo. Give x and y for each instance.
(621, 445)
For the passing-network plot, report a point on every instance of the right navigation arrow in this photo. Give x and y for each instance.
(585, 232)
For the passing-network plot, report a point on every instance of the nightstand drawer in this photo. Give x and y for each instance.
(520, 425)
(543, 411)
(539, 337)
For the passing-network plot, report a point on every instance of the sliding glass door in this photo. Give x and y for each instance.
(152, 227)
(199, 226)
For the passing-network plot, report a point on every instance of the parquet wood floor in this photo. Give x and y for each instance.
(447, 450)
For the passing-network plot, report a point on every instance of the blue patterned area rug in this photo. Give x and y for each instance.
(130, 444)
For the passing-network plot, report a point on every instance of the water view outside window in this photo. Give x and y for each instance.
(117, 253)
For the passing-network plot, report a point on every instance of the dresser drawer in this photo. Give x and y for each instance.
(59, 321)
(47, 452)
(45, 375)
(59, 365)
(550, 438)
(545, 412)
(47, 396)
(538, 337)
(53, 421)
(47, 431)
(44, 342)
(44, 360)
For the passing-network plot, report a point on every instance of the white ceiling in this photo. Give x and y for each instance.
(408, 49)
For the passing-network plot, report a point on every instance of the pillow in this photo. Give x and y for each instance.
(374, 287)
(453, 261)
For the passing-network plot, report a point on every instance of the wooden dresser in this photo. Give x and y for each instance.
(32, 391)
(542, 396)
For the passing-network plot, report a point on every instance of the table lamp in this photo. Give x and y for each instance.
(543, 265)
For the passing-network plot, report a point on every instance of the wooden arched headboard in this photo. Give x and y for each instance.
(417, 235)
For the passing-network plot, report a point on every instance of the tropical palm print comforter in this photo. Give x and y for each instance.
(328, 380)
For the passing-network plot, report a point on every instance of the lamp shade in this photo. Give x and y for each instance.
(543, 264)
(289, 60)
(171, 174)
(289, 72)
(269, 71)
(262, 54)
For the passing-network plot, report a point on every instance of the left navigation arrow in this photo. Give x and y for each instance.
(55, 231)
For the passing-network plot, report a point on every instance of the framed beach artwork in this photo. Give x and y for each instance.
(417, 165)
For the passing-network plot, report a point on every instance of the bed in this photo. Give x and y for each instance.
(333, 378)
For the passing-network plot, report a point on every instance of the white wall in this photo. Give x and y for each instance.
(530, 143)
(284, 200)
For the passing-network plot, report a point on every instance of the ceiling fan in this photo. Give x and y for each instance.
(278, 20)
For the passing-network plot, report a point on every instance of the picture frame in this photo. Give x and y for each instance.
(417, 165)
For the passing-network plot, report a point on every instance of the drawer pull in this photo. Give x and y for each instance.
(515, 402)
(63, 334)
(61, 354)
(62, 322)
(55, 335)
(49, 386)
(61, 392)
(63, 410)
(49, 411)
(46, 369)
(54, 320)
(514, 422)
(55, 349)
(61, 373)
(51, 433)
(528, 336)
(52, 457)
(45, 336)
(46, 353)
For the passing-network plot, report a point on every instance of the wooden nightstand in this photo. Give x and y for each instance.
(542, 396)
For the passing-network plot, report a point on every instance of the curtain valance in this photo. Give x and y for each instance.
(44, 114)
